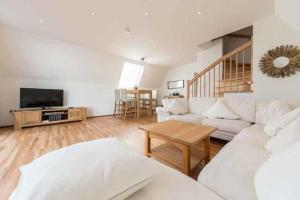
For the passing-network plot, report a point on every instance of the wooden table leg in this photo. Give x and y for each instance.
(147, 144)
(186, 160)
(138, 99)
(207, 150)
(150, 103)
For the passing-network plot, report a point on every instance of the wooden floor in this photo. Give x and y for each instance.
(20, 147)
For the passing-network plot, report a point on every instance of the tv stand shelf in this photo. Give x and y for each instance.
(37, 117)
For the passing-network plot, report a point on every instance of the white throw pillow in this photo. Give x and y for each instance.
(278, 177)
(269, 112)
(221, 111)
(285, 137)
(100, 169)
(200, 105)
(275, 125)
(177, 107)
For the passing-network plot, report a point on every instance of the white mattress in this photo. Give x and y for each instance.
(173, 185)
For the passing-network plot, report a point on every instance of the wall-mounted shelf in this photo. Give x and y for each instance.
(37, 117)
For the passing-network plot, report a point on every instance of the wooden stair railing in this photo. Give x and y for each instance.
(229, 73)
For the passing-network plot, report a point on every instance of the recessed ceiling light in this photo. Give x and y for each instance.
(127, 30)
(199, 13)
(41, 20)
(146, 13)
(152, 41)
(92, 13)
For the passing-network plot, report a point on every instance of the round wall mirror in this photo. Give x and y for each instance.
(281, 62)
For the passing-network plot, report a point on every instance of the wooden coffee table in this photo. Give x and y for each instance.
(181, 134)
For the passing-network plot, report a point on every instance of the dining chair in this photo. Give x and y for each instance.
(117, 102)
(146, 101)
(128, 104)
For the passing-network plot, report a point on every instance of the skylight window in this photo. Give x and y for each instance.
(131, 75)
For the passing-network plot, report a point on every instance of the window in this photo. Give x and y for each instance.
(131, 75)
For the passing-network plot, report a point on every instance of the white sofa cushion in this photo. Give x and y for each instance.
(278, 177)
(285, 137)
(253, 135)
(177, 107)
(162, 114)
(275, 125)
(242, 106)
(266, 112)
(192, 118)
(231, 172)
(200, 105)
(221, 111)
(173, 185)
(233, 126)
(99, 169)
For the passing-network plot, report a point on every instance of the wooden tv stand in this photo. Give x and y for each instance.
(37, 117)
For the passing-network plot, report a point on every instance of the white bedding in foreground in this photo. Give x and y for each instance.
(104, 169)
(173, 185)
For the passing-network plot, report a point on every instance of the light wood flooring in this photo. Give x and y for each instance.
(20, 147)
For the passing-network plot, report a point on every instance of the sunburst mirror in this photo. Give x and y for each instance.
(281, 62)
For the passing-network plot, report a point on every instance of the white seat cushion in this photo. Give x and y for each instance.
(231, 172)
(254, 135)
(233, 126)
(192, 118)
(173, 185)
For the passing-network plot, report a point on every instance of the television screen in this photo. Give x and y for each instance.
(34, 98)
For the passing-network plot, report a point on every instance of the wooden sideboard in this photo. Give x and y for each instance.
(37, 117)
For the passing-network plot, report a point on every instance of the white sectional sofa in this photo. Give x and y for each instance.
(232, 173)
(248, 109)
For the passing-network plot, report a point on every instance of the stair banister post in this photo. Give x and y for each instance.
(188, 89)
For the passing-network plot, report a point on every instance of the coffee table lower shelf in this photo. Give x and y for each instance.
(172, 156)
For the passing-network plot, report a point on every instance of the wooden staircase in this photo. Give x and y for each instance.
(231, 73)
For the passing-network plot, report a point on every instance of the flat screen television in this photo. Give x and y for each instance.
(35, 98)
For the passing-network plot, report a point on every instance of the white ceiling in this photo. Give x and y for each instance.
(167, 36)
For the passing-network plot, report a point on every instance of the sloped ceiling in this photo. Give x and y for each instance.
(167, 32)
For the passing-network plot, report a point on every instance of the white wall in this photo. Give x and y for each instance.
(288, 10)
(269, 33)
(186, 72)
(87, 76)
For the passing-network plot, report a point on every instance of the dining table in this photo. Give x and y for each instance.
(137, 93)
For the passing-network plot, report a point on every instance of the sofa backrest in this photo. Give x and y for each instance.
(243, 106)
(201, 104)
(167, 102)
(263, 115)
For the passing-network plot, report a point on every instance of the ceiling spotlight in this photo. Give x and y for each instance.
(41, 20)
(93, 13)
(127, 30)
(146, 13)
(199, 13)
(152, 41)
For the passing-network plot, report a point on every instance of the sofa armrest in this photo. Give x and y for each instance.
(162, 111)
